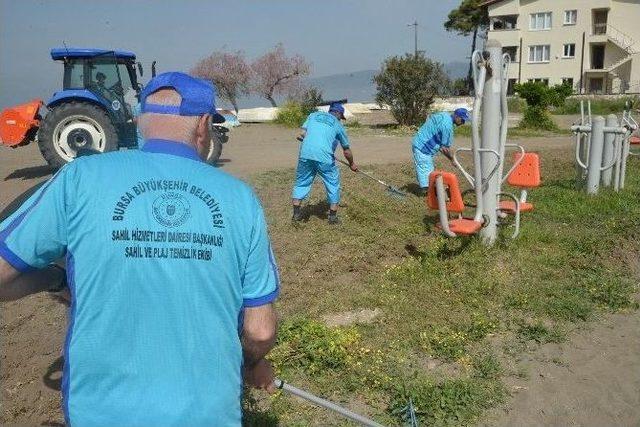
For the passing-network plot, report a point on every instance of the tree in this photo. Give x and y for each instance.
(468, 18)
(276, 74)
(228, 71)
(539, 98)
(408, 85)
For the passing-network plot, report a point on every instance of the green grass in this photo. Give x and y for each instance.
(598, 106)
(453, 310)
(517, 133)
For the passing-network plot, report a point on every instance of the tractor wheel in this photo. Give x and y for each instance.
(216, 147)
(74, 127)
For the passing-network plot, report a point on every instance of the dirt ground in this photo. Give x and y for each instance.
(593, 379)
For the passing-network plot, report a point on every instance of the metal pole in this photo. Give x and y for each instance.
(608, 153)
(595, 154)
(491, 121)
(325, 404)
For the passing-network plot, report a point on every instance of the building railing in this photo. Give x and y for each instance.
(625, 41)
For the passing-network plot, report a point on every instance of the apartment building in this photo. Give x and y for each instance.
(594, 45)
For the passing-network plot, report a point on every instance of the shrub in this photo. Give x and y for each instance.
(408, 85)
(539, 98)
(291, 114)
(295, 111)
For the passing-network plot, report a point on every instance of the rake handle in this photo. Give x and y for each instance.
(364, 173)
(325, 404)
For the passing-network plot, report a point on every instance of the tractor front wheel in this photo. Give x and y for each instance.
(73, 127)
(215, 150)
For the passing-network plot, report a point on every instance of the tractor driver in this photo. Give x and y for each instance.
(435, 135)
(177, 308)
(100, 86)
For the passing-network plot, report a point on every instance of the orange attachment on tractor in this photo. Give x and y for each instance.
(18, 124)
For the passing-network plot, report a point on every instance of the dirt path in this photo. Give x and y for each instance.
(595, 382)
(591, 380)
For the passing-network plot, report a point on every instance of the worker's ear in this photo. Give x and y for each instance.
(203, 136)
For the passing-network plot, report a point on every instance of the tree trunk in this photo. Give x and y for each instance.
(271, 100)
(473, 48)
(234, 102)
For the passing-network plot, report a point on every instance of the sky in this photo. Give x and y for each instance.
(336, 36)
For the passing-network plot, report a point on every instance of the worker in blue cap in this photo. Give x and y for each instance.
(435, 135)
(169, 267)
(322, 132)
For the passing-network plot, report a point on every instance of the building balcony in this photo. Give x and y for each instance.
(503, 23)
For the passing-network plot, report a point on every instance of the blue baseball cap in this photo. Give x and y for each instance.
(463, 113)
(338, 108)
(198, 96)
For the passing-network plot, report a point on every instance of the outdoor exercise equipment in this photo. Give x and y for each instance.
(601, 152)
(325, 404)
(490, 112)
(525, 175)
(393, 191)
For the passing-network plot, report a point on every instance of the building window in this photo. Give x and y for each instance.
(568, 81)
(510, 86)
(596, 85)
(540, 21)
(506, 22)
(544, 81)
(512, 51)
(569, 50)
(570, 17)
(539, 53)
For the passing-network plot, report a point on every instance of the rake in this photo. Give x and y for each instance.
(326, 404)
(393, 191)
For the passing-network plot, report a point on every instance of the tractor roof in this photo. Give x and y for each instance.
(74, 52)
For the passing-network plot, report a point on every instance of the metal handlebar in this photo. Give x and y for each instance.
(517, 162)
(441, 195)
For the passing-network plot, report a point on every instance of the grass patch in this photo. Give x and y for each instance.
(540, 333)
(517, 132)
(598, 106)
(447, 305)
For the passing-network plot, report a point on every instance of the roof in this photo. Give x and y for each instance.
(74, 52)
(490, 2)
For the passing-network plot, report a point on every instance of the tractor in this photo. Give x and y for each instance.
(94, 111)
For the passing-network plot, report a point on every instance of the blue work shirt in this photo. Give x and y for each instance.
(324, 133)
(435, 133)
(163, 252)
(137, 111)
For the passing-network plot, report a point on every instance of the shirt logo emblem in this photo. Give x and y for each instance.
(171, 209)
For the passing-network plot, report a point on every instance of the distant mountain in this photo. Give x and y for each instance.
(456, 69)
(356, 86)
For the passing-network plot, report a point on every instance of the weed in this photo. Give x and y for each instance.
(448, 402)
(540, 333)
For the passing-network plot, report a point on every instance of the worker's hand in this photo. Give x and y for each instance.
(260, 376)
(353, 167)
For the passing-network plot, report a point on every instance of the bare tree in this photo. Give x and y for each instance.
(276, 74)
(228, 71)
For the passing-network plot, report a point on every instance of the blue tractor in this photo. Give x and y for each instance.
(93, 112)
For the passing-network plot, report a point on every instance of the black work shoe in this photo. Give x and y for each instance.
(334, 220)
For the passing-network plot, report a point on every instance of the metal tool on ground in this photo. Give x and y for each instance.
(394, 191)
(325, 404)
